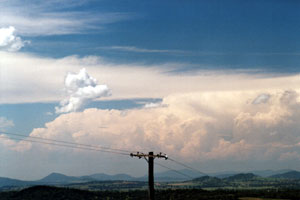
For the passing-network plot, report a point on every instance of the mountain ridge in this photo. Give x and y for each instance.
(288, 175)
(167, 176)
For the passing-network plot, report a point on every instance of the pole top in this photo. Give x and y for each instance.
(150, 154)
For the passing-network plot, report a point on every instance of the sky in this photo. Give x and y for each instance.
(213, 84)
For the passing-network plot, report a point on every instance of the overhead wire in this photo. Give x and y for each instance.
(99, 148)
(64, 145)
(66, 142)
(86, 148)
(174, 170)
(184, 165)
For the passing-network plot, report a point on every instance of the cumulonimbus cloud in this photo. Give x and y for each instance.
(80, 88)
(194, 126)
(9, 41)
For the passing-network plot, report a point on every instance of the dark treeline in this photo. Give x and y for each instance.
(57, 193)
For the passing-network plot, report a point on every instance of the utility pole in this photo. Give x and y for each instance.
(150, 159)
(151, 175)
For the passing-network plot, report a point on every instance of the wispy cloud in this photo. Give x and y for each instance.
(49, 18)
(135, 49)
(143, 50)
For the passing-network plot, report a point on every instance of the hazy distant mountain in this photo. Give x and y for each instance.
(242, 177)
(288, 175)
(183, 174)
(106, 177)
(180, 175)
(262, 173)
(267, 173)
(208, 179)
(223, 174)
(56, 178)
(13, 182)
(167, 176)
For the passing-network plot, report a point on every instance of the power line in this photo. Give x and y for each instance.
(73, 145)
(65, 142)
(85, 146)
(88, 147)
(182, 164)
(176, 171)
(63, 145)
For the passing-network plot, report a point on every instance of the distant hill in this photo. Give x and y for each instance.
(106, 177)
(288, 175)
(223, 174)
(170, 175)
(262, 173)
(267, 173)
(209, 181)
(206, 179)
(235, 181)
(173, 176)
(13, 182)
(242, 177)
(56, 178)
(200, 179)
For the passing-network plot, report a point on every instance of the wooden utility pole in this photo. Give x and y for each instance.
(150, 159)
(151, 175)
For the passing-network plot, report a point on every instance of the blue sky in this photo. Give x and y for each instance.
(231, 34)
(177, 76)
(31, 115)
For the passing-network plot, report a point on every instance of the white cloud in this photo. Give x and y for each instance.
(41, 82)
(154, 105)
(9, 41)
(13, 145)
(192, 127)
(80, 88)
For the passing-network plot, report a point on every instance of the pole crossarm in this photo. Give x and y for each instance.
(143, 155)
